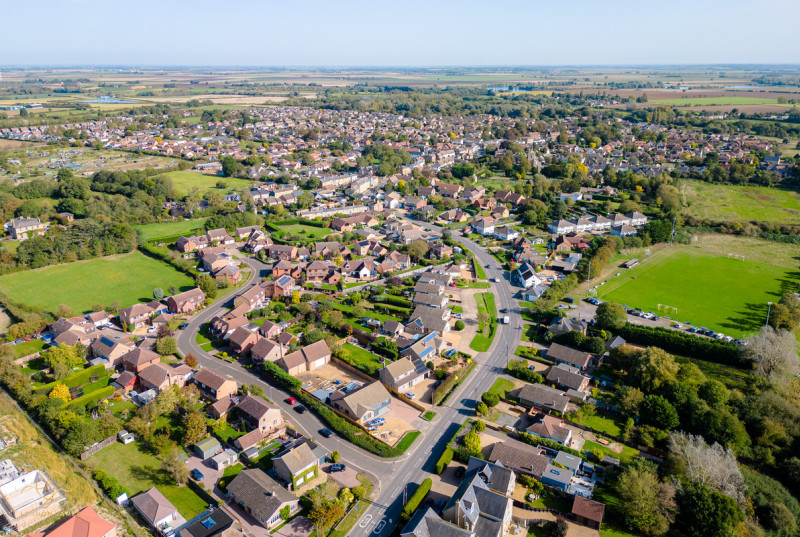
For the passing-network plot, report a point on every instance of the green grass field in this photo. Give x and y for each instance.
(407, 440)
(365, 360)
(501, 386)
(128, 278)
(183, 181)
(719, 101)
(311, 232)
(171, 229)
(725, 294)
(740, 203)
(138, 471)
(483, 339)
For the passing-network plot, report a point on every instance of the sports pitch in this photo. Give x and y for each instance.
(723, 293)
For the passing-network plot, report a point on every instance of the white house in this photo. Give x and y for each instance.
(505, 233)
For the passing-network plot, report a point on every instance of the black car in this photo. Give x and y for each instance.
(326, 433)
(338, 468)
(504, 310)
(184, 325)
(569, 300)
(300, 409)
(460, 471)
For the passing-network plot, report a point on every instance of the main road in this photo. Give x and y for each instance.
(391, 476)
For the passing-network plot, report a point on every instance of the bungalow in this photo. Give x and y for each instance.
(567, 377)
(213, 385)
(261, 497)
(222, 460)
(561, 354)
(155, 508)
(363, 404)
(434, 301)
(403, 374)
(541, 396)
(520, 457)
(550, 427)
(296, 466)
(562, 325)
(186, 302)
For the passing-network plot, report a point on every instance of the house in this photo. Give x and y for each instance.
(363, 404)
(280, 287)
(258, 414)
(222, 460)
(550, 427)
(588, 512)
(242, 340)
(520, 457)
(434, 301)
(87, 523)
(283, 251)
(561, 227)
(556, 477)
(431, 319)
(483, 225)
(541, 396)
(23, 227)
(308, 358)
(561, 354)
(270, 329)
(186, 302)
(245, 232)
(207, 447)
(213, 385)
(155, 509)
(526, 276)
(296, 466)
(567, 377)
(219, 236)
(393, 328)
(265, 350)
(253, 298)
(29, 498)
(111, 350)
(426, 523)
(139, 359)
(636, 218)
(223, 327)
(403, 374)
(261, 497)
(505, 233)
(623, 231)
(425, 348)
(211, 524)
(562, 325)
(482, 502)
(161, 376)
(125, 382)
(135, 316)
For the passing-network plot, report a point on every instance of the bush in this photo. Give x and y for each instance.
(479, 426)
(460, 325)
(335, 456)
(444, 460)
(683, 344)
(491, 399)
(517, 369)
(416, 499)
(550, 444)
(481, 409)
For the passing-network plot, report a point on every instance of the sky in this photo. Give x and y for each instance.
(405, 33)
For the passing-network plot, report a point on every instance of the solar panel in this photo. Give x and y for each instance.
(208, 523)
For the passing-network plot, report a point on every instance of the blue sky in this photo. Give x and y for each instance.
(405, 33)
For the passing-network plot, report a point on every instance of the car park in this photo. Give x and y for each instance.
(326, 433)
(338, 468)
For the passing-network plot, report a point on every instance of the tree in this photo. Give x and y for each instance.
(481, 409)
(63, 359)
(166, 400)
(712, 466)
(417, 249)
(229, 166)
(207, 284)
(196, 428)
(472, 442)
(659, 412)
(286, 512)
(335, 456)
(629, 400)
(651, 368)
(326, 515)
(166, 346)
(491, 399)
(773, 354)
(190, 360)
(176, 468)
(779, 518)
(714, 393)
(610, 316)
(638, 491)
(61, 392)
(460, 325)
(158, 293)
(707, 513)
(139, 426)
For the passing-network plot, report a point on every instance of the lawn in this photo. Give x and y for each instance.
(501, 386)
(171, 229)
(183, 181)
(483, 338)
(429, 415)
(604, 425)
(306, 231)
(625, 457)
(28, 347)
(529, 332)
(719, 101)
(138, 471)
(740, 203)
(364, 360)
(407, 440)
(725, 294)
(479, 272)
(126, 278)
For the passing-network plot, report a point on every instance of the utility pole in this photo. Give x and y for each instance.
(588, 277)
(672, 235)
(769, 307)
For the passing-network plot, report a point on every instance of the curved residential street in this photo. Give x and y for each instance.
(389, 475)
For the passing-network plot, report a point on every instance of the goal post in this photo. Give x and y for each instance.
(736, 256)
(667, 309)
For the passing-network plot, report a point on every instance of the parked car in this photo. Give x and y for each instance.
(184, 325)
(290, 400)
(410, 395)
(569, 300)
(678, 326)
(460, 471)
(379, 421)
(197, 475)
(326, 433)
(458, 316)
(338, 468)
(504, 310)
(300, 409)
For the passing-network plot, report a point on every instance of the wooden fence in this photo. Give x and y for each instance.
(98, 446)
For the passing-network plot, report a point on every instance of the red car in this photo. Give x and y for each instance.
(291, 400)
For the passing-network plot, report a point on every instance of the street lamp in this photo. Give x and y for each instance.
(769, 307)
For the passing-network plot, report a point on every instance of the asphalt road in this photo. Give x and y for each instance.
(391, 476)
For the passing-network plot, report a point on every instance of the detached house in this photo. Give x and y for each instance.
(308, 358)
(296, 466)
(213, 385)
(23, 228)
(186, 302)
(483, 225)
(261, 497)
(259, 415)
(403, 374)
(364, 404)
(139, 359)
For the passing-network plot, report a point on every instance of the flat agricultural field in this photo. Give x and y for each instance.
(170, 229)
(722, 293)
(722, 100)
(129, 278)
(740, 203)
(183, 181)
(311, 232)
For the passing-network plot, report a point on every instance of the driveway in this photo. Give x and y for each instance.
(348, 478)
(297, 527)
(210, 475)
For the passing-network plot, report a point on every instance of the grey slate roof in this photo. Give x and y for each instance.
(262, 494)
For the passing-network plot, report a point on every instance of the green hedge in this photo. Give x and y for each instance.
(389, 309)
(416, 499)
(394, 301)
(79, 378)
(345, 429)
(683, 344)
(444, 460)
(92, 397)
(551, 444)
(450, 383)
